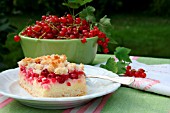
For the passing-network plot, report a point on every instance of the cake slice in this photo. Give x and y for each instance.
(52, 76)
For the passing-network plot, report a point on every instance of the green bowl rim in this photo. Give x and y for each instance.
(35, 39)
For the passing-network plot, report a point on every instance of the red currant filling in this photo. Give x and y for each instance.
(45, 76)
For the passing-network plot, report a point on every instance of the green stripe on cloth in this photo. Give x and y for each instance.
(128, 100)
(16, 107)
(147, 60)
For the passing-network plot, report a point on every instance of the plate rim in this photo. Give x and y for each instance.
(60, 99)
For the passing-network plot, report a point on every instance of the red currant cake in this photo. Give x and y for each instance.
(52, 76)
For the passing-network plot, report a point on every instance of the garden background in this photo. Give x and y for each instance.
(141, 25)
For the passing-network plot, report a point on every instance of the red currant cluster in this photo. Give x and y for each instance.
(136, 73)
(65, 27)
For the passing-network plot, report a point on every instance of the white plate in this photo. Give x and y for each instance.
(96, 87)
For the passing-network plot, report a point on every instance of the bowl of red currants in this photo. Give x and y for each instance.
(74, 37)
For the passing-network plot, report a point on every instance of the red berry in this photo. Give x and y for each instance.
(46, 28)
(68, 84)
(107, 40)
(101, 35)
(128, 67)
(90, 34)
(17, 38)
(43, 17)
(96, 32)
(143, 75)
(61, 33)
(44, 72)
(72, 36)
(36, 28)
(132, 72)
(100, 42)
(141, 70)
(45, 81)
(51, 75)
(137, 74)
(127, 73)
(60, 79)
(35, 75)
(83, 40)
(69, 16)
(84, 22)
(95, 27)
(64, 29)
(73, 76)
(105, 50)
(104, 45)
(53, 80)
(63, 19)
(77, 20)
(39, 80)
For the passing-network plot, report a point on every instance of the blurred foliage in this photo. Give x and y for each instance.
(160, 7)
(108, 7)
(5, 28)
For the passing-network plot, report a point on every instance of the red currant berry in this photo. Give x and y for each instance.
(128, 67)
(17, 38)
(132, 72)
(63, 20)
(104, 45)
(43, 17)
(61, 33)
(77, 20)
(105, 50)
(90, 34)
(143, 75)
(141, 70)
(72, 36)
(83, 40)
(101, 35)
(127, 73)
(68, 84)
(107, 40)
(137, 74)
(100, 42)
(84, 22)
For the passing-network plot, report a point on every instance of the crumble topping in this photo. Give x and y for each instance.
(53, 63)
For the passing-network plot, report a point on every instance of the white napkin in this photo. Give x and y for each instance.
(157, 79)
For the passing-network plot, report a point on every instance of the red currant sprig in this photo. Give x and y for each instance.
(135, 73)
(65, 27)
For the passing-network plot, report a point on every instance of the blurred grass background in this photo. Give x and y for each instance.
(143, 25)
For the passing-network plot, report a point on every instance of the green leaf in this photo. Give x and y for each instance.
(110, 65)
(85, 2)
(122, 54)
(88, 14)
(72, 5)
(121, 67)
(106, 27)
(81, 2)
(75, 4)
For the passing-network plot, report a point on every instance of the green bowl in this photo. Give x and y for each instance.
(74, 49)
